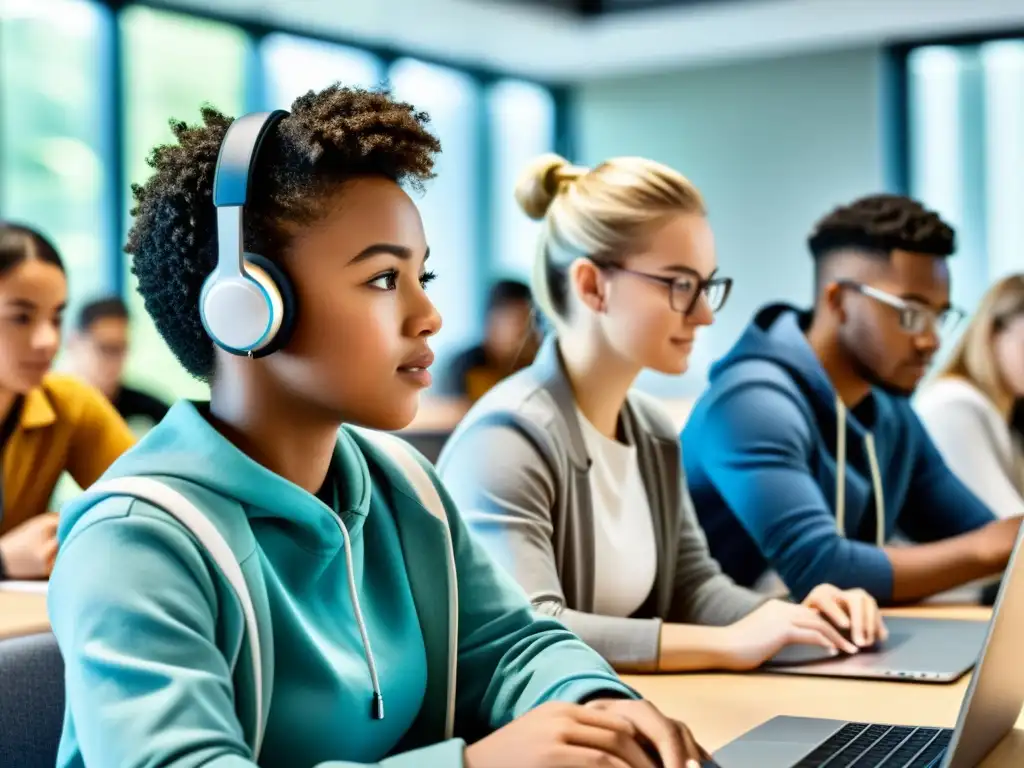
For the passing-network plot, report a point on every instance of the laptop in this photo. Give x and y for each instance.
(988, 713)
(917, 650)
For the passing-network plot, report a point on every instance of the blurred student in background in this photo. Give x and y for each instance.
(804, 454)
(49, 423)
(97, 352)
(573, 481)
(973, 409)
(509, 344)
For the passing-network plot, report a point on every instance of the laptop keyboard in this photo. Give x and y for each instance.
(862, 745)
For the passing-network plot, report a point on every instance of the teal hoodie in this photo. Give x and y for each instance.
(152, 635)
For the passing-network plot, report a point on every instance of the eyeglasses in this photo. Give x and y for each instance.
(915, 317)
(685, 291)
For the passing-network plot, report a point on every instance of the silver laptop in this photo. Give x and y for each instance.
(917, 650)
(988, 713)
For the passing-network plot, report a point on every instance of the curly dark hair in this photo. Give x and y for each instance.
(330, 137)
(882, 224)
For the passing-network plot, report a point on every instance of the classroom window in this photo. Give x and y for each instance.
(295, 65)
(450, 206)
(69, 152)
(172, 64)
(965, 120)
(522, 124)
(54, 98)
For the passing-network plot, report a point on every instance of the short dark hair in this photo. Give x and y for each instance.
(101, 309)
(330, 137)
(505, 292)
(882, 224)
(19, 243)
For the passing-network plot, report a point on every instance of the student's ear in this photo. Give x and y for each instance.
(588, 281)
(832, 298)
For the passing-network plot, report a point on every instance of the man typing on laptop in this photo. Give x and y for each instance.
(804, 456)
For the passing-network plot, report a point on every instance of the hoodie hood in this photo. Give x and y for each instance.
(777, 335)
(185, 448)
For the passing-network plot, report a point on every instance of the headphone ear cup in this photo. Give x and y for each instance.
(274, 278)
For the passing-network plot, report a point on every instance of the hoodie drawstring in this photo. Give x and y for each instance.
(377, 704)
(876, 477)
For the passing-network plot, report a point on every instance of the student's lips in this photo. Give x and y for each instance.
(36, 369)
(415, 368)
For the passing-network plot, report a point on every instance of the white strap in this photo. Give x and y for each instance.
(186, 513)
(401, 454)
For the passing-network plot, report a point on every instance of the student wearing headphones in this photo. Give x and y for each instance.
(573, 481)
(49, 423)
(252, 585)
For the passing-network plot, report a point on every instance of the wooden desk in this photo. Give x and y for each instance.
(719, 708)
(22, 613)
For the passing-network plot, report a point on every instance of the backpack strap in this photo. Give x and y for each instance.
(186, 513)
(401, 455)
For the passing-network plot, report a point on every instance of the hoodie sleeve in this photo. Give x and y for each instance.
(146, 683)
(938, 504)
(754, 446)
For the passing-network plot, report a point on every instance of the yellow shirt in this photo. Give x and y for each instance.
(65, 425)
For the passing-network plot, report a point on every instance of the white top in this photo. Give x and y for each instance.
(624, 550)
(976, 442)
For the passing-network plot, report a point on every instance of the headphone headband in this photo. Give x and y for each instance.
(237, 156)
(246, 304)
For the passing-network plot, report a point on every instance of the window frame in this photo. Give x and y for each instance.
(896, 123)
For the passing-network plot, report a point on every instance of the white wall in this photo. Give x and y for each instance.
(773, 145)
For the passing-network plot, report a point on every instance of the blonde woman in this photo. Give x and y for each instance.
(574, 482)
(973, 408)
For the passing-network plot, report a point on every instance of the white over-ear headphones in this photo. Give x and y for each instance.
(247, 304)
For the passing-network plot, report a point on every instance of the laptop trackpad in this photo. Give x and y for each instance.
(795, 655)
(918, 649)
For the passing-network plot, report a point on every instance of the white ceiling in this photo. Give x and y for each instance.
(533, 41)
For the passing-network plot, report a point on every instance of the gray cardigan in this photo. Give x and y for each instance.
(517, 469)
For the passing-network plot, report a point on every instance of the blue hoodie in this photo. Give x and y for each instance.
(762, 450)
(150, 630)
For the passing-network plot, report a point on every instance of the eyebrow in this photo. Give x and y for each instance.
(30, 305)
(400, 251)
(679, 269)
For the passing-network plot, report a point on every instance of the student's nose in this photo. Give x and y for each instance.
(928, 340)
(702, 314)
(46, 337)
(424, 320)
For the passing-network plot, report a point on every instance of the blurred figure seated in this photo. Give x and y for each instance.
(97, 352)
(49, 423)
(974, 409)
(509, 344)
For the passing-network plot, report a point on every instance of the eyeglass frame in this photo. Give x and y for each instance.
(702, 285)
(940, 318)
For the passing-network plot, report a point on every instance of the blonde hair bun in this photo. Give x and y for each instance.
(539, 183)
